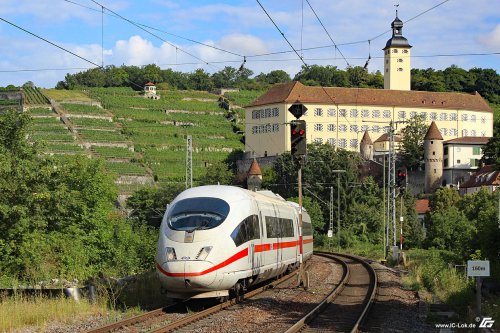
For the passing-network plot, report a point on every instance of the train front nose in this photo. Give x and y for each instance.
(187, 275)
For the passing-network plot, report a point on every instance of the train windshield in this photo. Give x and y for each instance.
(197, 214)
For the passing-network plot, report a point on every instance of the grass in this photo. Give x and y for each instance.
(41, 111)
(84, 109)
(113, 152)
(19, 311)
(60, 95)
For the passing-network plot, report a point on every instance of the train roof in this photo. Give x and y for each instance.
(232, 194)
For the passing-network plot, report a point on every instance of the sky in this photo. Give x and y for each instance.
(96, 32)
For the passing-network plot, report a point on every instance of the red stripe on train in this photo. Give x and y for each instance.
(242, 254)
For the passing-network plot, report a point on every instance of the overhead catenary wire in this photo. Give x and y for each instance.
(328, 34)
(49, 42)
(282, 34)
(162, 31)
(154, 35)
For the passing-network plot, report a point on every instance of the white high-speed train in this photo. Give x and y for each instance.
(217, 239)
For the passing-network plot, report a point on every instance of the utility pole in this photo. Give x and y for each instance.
(392, 185)
(330, 228)
(189, 161)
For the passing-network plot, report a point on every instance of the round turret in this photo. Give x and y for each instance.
(366, 147)
(433, 158)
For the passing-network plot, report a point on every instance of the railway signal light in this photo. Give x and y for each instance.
(401, 178)
(298, 138)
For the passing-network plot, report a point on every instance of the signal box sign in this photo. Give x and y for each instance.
(478, 268)
(297, 110)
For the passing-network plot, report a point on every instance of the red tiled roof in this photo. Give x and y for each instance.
(479, 140)
(254, 169)
(485, 176)
(296, 92)
(385, 137)
(150, 84)
(433, 133)
(422, 206)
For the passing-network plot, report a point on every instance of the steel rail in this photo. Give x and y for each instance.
(367, 303)
(190, 318)
(205, 313)
(313, 313)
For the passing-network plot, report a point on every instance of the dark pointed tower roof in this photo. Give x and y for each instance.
(433, 133)
(397, 39)
(366, 139)
(254, 169)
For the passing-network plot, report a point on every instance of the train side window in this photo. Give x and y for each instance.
(307, 229)
(286, 226)
(272, 227)
(247, 230)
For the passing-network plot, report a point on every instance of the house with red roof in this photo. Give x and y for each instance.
(487, 177)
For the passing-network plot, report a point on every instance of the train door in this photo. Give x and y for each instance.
(278, 237)
(256, 244)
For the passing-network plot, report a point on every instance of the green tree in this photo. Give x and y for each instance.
(449, 229)
(492, 149)
(412, 143)
(200, 80)
(148, 204)
(313, 208)
(217, 173)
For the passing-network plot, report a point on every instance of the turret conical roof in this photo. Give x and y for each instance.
(366, 139)
(433, 133)
(254, 169)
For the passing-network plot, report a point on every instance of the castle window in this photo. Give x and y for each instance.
(387, 70)
(331, 141)
(413, 114)
(483, 133)
(458, 161)
(465, 132)
(318, 127)
(365, 128)
(354, 113)
(387, 61)
(387, 114)
(453, 131)
(400, 60)
(473, 118)
(433, 153)
(395, 51)
(353, 128)
(353, 143)
(276, 127)
(375, 114)
(443, 131)
(443, 116)
(400, 69)
(376, 128)
(318, 112)
(276, 112)
(332, 112)
(318, 140)
(465, 117)
(342, 128)
(483, 120)
(446, 150)
(473, 133)
(423, 115)
(401, 114)
(476, 150)
(268, 113)
(365, 113)
(445, 163)
(331, 128)
(433, 116)
(342, 143)
(405, 51)
(343, 113)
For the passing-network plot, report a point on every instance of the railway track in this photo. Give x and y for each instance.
(169, 318)
(341, 309)
(347, 306)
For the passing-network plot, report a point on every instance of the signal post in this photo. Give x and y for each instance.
(298, 149)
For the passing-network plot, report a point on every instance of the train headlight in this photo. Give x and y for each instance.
(202, 255)
(170, 254)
